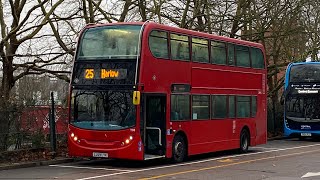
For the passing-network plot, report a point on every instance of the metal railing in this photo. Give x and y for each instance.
(159, 133)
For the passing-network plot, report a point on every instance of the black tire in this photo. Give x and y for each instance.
(244, 141)
(179, 149)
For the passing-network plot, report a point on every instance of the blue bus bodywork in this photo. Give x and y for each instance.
(302, 100)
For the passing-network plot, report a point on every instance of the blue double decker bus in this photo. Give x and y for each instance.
(302, 100)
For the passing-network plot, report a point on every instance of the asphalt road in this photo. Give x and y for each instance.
(278, 160)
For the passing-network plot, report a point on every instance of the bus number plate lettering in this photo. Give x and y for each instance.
(97, 154)
(305, 134)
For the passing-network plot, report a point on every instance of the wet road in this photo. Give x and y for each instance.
(278, 159)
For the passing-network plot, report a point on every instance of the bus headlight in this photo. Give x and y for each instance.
(73, 136)
(127, 141)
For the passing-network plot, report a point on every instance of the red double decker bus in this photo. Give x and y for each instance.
(144, 90)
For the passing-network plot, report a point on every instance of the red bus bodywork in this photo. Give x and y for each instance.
(156, 76)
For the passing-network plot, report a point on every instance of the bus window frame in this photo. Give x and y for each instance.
(186, 94)
(227, 106)
(191, 105)
(209, 45)
(168, 44)
(189, 44)
(208, 49)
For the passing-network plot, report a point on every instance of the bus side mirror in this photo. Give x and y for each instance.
(136, 98)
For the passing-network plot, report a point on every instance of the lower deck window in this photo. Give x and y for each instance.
(243, 106)
(180, 107)
(200, 107)
(219, 106)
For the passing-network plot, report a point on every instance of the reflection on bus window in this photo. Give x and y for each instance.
(110, 42)
(158, 43)
(180, 107)
(231, 58)
(243, 57)
(179, 47)
(219, 106)
(200, 107)
(218, 52)
(257, 59)
(305, 73)
(104, 110)
(303, 108)
(243, 106)
(200, 52)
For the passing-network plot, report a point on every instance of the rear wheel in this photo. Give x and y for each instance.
(179, 149)
(244, 141)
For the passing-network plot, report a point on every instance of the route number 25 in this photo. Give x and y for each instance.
(89, 74)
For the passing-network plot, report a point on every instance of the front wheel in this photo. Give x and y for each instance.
(179, 149)
(244, 141)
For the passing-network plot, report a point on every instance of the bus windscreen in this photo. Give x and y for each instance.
(303, 108)
(305, 73)
(102, 110)
(109, 42)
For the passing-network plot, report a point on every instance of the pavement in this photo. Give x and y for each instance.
(61, 160)
(35, 163)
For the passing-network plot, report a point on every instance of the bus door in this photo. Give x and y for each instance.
(154, 125)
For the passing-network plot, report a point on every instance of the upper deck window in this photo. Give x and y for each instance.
(200, 52)
(218, 52)
(243, 57)
(179, 47)
(305, 73)
(158, 43)
(231, 58)
(257, 59)
(120, 41)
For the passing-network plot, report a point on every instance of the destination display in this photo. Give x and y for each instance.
(115, 74)
(180, 88)
(311, 88)
(105, 73)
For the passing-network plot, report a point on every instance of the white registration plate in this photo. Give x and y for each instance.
(305, 134)
(97, 154)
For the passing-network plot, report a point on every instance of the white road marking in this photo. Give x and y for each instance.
(311, 174)
(81, 167)
(262, 148)
(196, 162)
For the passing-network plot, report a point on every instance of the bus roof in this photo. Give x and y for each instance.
(154, 25)
(287, 74)
(300, 63)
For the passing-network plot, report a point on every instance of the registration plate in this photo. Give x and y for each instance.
(305, 134)
(97, 154)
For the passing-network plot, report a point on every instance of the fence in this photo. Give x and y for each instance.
(29, 131)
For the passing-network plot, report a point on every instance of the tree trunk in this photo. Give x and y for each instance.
(7, 84)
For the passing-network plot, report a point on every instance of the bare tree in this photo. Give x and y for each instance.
(37, 37)
(311, 22)
(27, 27)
